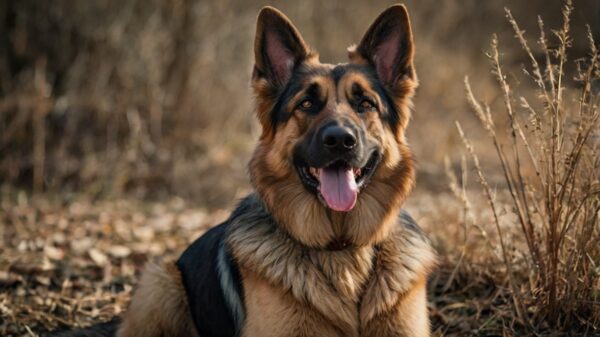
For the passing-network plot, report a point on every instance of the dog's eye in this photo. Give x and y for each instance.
(306, 104)
(366, 105)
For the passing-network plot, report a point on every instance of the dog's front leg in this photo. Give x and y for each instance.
(408, 318)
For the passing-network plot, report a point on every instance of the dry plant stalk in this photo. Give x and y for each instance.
(558, 205)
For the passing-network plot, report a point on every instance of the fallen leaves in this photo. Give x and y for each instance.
(65, 264)
(98, 257)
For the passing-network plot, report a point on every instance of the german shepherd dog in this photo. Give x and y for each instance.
(321, 247)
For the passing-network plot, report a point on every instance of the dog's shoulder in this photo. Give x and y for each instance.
(411, 245)
(407, 222)
(212, 283)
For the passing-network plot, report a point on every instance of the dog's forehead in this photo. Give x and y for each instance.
(338, 74)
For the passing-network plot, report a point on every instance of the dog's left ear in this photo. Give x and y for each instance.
(388, 46)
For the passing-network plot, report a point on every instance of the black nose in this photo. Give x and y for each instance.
(338, 138)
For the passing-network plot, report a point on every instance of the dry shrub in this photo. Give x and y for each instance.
(549, 154)
(110, 97)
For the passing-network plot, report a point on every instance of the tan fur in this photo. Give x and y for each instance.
(159, 306)
(274, 178)
(376, 287)
(408, 317)
(341, 292)
(293, 285)
(377, 208)
(270, 310)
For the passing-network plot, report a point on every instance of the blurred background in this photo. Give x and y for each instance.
(126, 127)
(152, 98)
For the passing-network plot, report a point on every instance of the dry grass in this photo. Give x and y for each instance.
(551, 168)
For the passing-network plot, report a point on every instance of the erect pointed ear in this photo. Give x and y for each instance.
(278, 47)
(388, 46)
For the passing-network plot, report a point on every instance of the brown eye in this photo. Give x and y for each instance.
(366, 105)
(306, 104)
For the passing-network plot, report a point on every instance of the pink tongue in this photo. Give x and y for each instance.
(338, 188)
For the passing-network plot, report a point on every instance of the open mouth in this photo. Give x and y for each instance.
(338, 183)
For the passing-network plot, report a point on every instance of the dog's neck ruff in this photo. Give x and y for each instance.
(348, 286)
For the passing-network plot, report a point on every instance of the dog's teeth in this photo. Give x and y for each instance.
(314, 172)
(356, 172)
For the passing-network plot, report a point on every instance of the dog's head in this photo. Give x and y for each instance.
(332, 162)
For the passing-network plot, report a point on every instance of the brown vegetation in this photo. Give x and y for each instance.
(102, 102)
(550, 161)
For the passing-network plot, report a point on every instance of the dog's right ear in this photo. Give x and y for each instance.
(278, 48)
